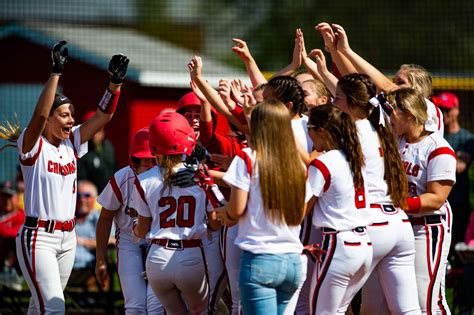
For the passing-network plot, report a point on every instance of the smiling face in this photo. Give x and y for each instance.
(341, 100)
(59, 124)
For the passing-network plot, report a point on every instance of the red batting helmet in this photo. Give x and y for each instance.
(189, 100)
(140, 145)
(170, 133)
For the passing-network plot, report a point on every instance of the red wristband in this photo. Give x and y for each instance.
(414, 204)
(109, 101)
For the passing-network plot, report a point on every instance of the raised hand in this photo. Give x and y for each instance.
(330, 40)
(197, 91)
(241, 49)
(342, 41)
(224, 91)
(237, 86)
(297, 50)
(318, 55)
(59, 55)
(249, 102)
(118, 66)
(195, 67)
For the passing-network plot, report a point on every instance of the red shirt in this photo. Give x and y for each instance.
(11, 222)
(219, 144)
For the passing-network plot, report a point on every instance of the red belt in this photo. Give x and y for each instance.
(176, 244)
(51, 225)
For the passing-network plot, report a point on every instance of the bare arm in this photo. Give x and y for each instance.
(104, 226)
(436, 195)
(360, 64)
(295, 63)
(329, 79)
(242, 51)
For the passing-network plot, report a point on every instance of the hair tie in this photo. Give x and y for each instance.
(374, 101)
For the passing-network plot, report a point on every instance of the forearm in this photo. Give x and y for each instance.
(362, 66)
(344, 65)
(104, 226)
(431, 202)
(254, 73)
(330, 80)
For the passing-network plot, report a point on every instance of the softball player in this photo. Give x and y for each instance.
(430, 166)
(340, 210)
(270, 212)
(390, 232)
(49, 148)
(173, 219)
(115, 199)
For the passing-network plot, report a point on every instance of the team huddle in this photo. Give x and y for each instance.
(327, 184)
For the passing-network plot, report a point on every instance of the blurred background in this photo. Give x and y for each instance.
(161, 36)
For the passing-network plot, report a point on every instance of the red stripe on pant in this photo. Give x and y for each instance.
(433, 272)
(325, 266)
(440, 303)
(207, 280)
(31, 272)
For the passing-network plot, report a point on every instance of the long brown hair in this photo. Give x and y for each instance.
(281, 171)
(342, 134)
(359, 89)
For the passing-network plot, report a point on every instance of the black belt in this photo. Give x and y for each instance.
(427, 219)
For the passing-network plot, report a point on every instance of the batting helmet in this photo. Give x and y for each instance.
(170, 133)
(189, 100)
(140, 146)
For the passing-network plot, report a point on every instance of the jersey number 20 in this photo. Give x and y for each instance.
(184, 208)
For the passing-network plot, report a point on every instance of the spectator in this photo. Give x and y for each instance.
(11, 219)
(87, 216)
(462, 141)
(99, 164)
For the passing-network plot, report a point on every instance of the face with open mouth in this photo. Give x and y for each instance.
(60, 123)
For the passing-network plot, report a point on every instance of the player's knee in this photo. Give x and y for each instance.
(55, 306)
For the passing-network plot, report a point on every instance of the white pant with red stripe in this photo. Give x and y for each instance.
(46, 260)
(432, 243)
(347, 259)
(130, 266)
(215, 265)
(392, 273)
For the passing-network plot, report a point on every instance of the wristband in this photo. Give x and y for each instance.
(414, 204)
(109, 101)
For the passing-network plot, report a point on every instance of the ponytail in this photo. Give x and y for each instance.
(10, 132)
(394, 172)
(342, 134)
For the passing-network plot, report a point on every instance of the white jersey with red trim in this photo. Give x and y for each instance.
(431, 159)
(435, 122)
(50, 175)
(377, 188)
(116, 197)
(339, 207)
(177, 213)
(257, 233)
(300, 130)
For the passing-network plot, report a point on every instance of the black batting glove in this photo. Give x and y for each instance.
(183, 178)
(198, 155)
(118, 66)
(59, 54)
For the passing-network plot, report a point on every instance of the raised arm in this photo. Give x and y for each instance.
(242, 51)
(328, 78)
(117, 69)
(195, 70)
(331, 43)
(360, 64)
(36, 126)
(295, 63)
(309, 64)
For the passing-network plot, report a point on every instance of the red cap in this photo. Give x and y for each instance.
(446, 100)
(140, 146)
(88, 115)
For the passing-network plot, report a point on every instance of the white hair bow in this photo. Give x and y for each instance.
(374, 101)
